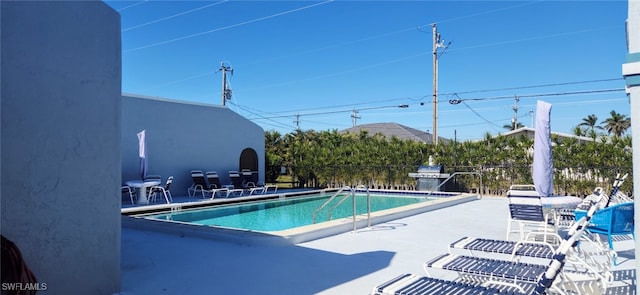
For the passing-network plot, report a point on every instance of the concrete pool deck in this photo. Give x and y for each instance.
(348, 263)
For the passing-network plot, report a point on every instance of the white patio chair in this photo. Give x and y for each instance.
(164, 190)
(127, 190)
(525, 209)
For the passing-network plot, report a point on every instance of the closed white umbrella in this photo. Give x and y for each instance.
(542, 157)
(142, 153)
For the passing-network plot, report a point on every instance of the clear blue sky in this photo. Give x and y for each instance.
(321, 60)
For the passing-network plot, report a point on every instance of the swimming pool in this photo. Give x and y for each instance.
(285, 214)
(278, 219)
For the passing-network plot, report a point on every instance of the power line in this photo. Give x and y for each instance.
(226, 27)
(479, 116)
(476, 109)
(535, 38)
(459, 100)
(279, 124)
(353, 105)
(172, 16)
(446, 126)
(474, 123)
(416, 98)
(537, 86)
(404, 106)
(132, 5)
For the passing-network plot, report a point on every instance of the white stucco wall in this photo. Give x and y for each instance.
(631, 71)
(60, 114)
(183, 136)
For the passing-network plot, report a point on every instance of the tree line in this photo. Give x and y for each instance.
(334, 159)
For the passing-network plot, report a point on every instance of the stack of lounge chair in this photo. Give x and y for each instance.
(515, 267)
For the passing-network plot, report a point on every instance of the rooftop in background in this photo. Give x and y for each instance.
(530, 132)
(390, 130)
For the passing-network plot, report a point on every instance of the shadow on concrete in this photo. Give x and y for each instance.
(154, 263)
(624, 282)
(384, 226)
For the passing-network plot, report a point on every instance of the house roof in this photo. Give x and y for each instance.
(394, 129)
(530, 132)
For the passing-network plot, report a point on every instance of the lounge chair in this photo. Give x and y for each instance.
(545, 279)
(236, 181)
(164, 190)
(411, 284)
(250, 183)
(525, 208)
(199, 184)
(247, 178)
(514, 248)
(215, 187)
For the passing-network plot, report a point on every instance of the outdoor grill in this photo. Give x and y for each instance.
(429, 177)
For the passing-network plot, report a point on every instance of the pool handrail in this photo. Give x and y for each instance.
(338, 203)
(329, 200)
(355, 211)
(454, 174)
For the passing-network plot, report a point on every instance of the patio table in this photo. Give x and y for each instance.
(560, 202)
(141, 188)
(554, 207)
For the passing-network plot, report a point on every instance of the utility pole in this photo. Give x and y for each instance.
(514, 121)
(354, 117)
(437, 43)
(297, 121)
(226, 92)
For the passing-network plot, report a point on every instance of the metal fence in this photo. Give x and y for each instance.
(496, 180)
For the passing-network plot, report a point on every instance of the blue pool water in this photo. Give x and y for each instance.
(285, 214)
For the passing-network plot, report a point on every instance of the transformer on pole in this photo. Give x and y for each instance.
(226, 91)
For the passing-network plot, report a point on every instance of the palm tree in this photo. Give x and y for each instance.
(590, 122)
(512, 126)
(617, 124)
(579, 131)
(273, 142)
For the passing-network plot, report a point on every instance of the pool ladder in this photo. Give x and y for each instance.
(345, 196)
